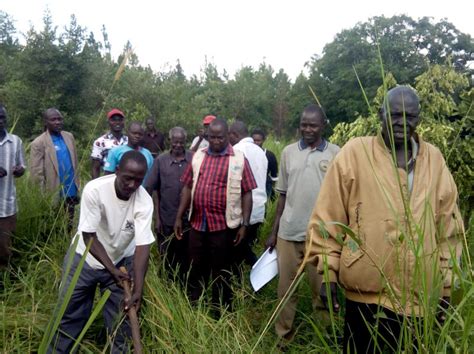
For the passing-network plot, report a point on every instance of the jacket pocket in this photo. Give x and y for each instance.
(235, 185)
(350, 255)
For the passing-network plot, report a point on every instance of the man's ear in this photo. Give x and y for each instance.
(381, 113)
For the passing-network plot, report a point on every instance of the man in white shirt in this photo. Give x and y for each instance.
(200, 141)
(240, 139)
(115, 218)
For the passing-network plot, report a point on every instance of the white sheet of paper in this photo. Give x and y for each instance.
(264, 270)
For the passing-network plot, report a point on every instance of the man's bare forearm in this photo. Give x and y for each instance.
(185, 201)
(246, 206)
(140, 266)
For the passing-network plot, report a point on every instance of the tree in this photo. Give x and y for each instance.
(400, 45)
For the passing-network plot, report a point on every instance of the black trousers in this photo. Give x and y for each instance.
(243, 252)
(174, 252)
(210, 255)
(370, 328)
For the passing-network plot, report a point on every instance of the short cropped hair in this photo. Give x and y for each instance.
(258, 131)
(179, 130)
(316, 110)
(135, 156)
(221, 123)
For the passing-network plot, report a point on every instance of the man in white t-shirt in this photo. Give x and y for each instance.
(115, 218)
(240, 139)
(200, 141)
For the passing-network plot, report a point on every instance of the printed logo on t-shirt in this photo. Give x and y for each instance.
(323, 165)
(129, 226)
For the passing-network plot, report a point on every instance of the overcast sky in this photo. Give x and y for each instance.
(230, 34)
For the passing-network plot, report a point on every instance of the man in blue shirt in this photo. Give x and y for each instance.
(54, 162)
(135, 135)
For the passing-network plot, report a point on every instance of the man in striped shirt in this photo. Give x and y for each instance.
(12, 164)
(218, 189)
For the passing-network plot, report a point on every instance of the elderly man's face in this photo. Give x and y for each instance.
(177, 144)
(404, 110)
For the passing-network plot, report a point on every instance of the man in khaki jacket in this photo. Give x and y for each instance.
(396, 194)
(53, 161)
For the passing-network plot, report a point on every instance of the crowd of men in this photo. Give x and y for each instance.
(206, 205)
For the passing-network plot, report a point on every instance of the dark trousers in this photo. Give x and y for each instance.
(174, 252)
(363, 319)
(210, 255)
(7, 227)
(69, 206)
(243, 252)
(79, 307)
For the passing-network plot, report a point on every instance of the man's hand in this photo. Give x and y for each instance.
(443, 308)
(333, 295)
(158, 228)
(3, 172)
(119, 276)
(18, 171)
(271, 242)
(135, 301)
(178, 228)
(240, 235)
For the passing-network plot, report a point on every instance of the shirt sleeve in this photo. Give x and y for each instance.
(282, 184)
(331, 205)
(90, 211)
(20, 155)
(272, 164)
(187, 177)
(97, 150)
(153, 177)
(111, 162)
(248, 180)
(143, 217)
(450, 227)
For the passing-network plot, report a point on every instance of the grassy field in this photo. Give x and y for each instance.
(169, 323)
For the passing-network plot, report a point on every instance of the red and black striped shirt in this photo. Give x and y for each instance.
(210, 198)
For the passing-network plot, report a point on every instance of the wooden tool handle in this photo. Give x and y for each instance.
(132, 316)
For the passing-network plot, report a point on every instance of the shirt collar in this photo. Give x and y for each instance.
(110, 136)
(321, 147)
(8, 137)
(227, 151)
(186, 157)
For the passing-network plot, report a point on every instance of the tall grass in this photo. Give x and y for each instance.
(29, 296)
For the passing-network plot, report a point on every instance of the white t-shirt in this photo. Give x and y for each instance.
(258, 164)
(203, 144)
(120, 225)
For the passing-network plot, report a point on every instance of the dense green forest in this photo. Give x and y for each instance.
(72, 69)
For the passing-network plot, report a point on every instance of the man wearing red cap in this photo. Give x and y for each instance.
(200, 142)
(106, 142)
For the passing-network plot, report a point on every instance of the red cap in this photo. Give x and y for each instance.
(115, 112)
(208, 119)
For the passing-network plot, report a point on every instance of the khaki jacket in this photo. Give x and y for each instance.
(404, 244)
(44, 163)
